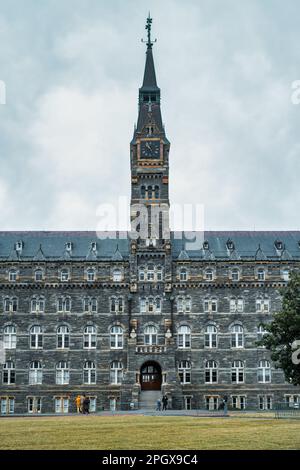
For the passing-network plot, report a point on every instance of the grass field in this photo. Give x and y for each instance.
(139, 432)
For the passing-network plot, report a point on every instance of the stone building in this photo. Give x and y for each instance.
(126, 319)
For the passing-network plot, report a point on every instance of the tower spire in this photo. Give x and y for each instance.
(148, 28)
(149, 74)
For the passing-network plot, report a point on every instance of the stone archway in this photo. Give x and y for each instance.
(151, 376)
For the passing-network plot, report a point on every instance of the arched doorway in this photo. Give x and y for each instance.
(151, 377)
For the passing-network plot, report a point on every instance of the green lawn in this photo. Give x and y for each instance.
(139, 432)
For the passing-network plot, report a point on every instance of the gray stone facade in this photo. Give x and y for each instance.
(83, 314)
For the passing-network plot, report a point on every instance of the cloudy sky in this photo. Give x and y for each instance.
(72, 69)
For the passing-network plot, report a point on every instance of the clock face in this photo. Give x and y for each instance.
(150, 149)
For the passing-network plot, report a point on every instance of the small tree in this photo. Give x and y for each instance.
(284, 332)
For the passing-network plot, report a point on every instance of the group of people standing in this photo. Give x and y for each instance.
(82, 403)
(163, 402)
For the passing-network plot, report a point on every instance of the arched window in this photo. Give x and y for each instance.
(10, 337)
(150, 272)
(150, 192)
(211, 372)
(89, 373)
(262, 305)
(237, 336)
(184, 304)
(235, 274)
(150, 304)
(211, 336)
(63, 337)
(116, 337)
(64, 304)
(90, 305)
(89, 337)
(36, 337)
(117, 275)
(35, 373)
(142, 273)
(150, 335)
(143, 192)
(12, 275)
(11, 304)
(210, 305)
(236, 305)
(9, 373)
(184, 337)
(264, 372)
(116, 373)
(261, 275)
(183, 274)
(209, 274)
(64, 275)
(38, 275)
(62, 373)
(37, 304)
(286, 274)
(184, 371)
(156, 191)
(116, 305)
(237, 372)
(91, 275)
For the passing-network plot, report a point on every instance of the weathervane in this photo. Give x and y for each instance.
(148, 28)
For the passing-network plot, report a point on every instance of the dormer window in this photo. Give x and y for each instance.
(94, 246)
(230, 245)
(69, 246)
(205, 245)
(19, 246)
(278, 245)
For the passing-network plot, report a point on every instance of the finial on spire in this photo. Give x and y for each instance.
(148, 28)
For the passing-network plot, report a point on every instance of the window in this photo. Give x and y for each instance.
(35, 373)
(11, 304)
(150, 304)
(12, 275)
(37, 304)
(36, 337)
(237, 372)
(116, 373)
(264, 372)
(9, 373)
(117, 275)
(7, 405)
(211, 373)
(90, 275)
(89, 373)
(236, 305)
(212, 403)
(89, 337)
(265, 402)
(38, 275)
(63, 337)
(150, 335)
(184, 304)
(64, 304)
(210, 337)
(187, 403)
(150, 272)
(61, 405)
(10, 337)
(210, 305)
(159, 273)
(143, 192)
(142, 273)
(69, 246)
(183, 274)
(261, 332)
(262, 305)
(184, 337)
(116, 305)
(34, 405)
(238, 402)
(116, 337)
(235, 275)
(112, 404)
(92, 408)
(237, 336)
(285, 274)
(209, 275)
(292, 401)
(261, 275)
(62, 373)
(184, 371)
(64, 275)
(90, 305)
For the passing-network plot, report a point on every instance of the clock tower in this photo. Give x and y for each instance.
(149, 156)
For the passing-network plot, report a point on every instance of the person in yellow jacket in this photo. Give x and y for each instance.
(78, 404)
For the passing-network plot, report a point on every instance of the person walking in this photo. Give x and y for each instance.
(158, 405)
(82, 397)
(78, 403)
(165, 402)
(86, 406)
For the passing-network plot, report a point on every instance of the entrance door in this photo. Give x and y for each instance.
(151, 376)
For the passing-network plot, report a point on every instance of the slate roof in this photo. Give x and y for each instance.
(220, 245)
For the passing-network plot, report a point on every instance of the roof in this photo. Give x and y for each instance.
(92, 246)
